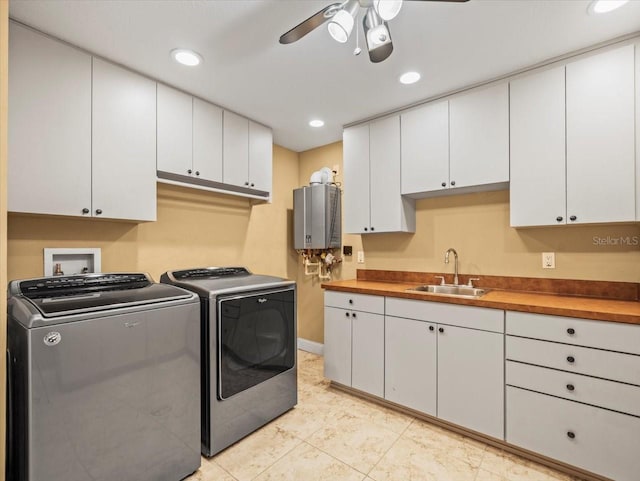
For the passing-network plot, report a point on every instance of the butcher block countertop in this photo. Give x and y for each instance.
(600, 300)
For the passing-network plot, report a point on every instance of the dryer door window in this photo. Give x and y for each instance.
(256, 336)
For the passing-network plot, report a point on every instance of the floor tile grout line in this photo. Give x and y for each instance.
(389, 449)
(279, 458)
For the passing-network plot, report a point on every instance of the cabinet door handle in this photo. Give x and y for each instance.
(571, 387)
(441, 329)
(571, 359)
(571, 331)
(189, 171)
(372, 229)
(453, 182)
(431, 328)
(85, 210)
(246, 183)
(98, 211)
(252, 184)
(353, 314)
(571, 434)
(559, 218)
(197, 172)
(346, 314)
(444, 184)
(366, 229)
(573, 217)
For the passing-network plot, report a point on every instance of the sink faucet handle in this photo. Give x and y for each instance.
(441, 279)
(471, 279)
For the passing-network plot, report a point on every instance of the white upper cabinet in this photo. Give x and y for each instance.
(373, 202)
(425, 148)
(49, 168)
(207, 141)
(235, 156)
(601, 138)
(356, 179)
(479, 137)
(260, 157)
(175, 131)
(123, 143)
(537, 121)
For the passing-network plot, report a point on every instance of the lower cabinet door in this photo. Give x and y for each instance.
(337, 345)
(367, 355)
(410, 363)
(471, 379)
(595, 439)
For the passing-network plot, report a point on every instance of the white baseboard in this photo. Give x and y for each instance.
(311, 346)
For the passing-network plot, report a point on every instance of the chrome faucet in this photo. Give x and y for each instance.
(455, 257)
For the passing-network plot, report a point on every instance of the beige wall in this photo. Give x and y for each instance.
(4, 52)
(194, 228)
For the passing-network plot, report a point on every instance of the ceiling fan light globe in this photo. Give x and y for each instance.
(340, 26)
(387, 9)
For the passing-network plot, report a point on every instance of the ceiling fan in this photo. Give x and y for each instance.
(341, 17)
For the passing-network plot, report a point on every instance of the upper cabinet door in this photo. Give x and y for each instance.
(123, 143)
(175, 124)
(49, 169)
(384, 176)
(601, 138)
(537, 188)
(235, 157)
(260, 157)
(356, 179)
(479, 137)
(425, 148)
(207, 141)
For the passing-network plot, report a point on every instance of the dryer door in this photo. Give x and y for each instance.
(256, 338)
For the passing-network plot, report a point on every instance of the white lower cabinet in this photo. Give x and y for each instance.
(354, 342)
(337, 345)
(410, 374)
(595, 439)
(471, 379)
(575, 396)
(367, 352)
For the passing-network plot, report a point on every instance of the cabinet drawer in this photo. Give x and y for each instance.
(576, 387)
(583, 360)
(354, 302)
(454, 315)
(603, 442)
(613, 336)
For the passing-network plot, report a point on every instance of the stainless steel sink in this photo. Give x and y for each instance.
(450, 290)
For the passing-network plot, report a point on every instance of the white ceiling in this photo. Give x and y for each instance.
(246, 70)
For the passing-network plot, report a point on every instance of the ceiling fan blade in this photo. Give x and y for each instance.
(311, 23)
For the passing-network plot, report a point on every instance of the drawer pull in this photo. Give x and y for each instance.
(571, 434)
(571, 359)
(571, 331)
(350, 301)
(571, 387)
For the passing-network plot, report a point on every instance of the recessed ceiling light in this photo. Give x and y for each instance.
(604, 6)
(186, 57)
(409, 78)
(316, 123)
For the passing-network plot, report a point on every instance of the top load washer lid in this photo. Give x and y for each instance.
(216, 280)
(65, 295)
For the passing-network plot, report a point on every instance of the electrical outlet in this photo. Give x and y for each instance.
(548, 260)
(360, 257)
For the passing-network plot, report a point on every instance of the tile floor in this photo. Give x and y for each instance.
(333, 436)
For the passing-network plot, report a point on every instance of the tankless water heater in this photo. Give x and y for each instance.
(317, 223)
